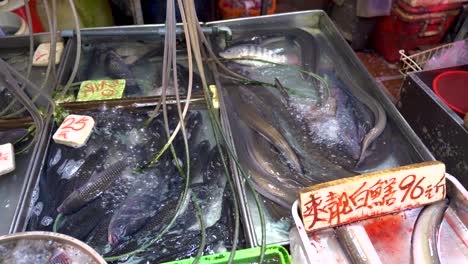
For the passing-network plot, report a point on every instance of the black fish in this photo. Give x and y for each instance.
(92, 189)
(162, 216)
(199, 158)
(133, 214)
(83, 174)
(81, 223)
(97, 239)
(117, 68)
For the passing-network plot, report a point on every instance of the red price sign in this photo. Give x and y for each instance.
(101, 90)
(346, 200)
(74, 130)
(7, 158)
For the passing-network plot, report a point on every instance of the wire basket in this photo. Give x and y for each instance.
(417, 61)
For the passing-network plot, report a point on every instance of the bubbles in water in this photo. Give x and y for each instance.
(37, 209)
(55, 159)
(35, 195)
(46, 220)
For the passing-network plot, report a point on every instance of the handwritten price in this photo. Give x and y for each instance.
(372, 194)
(101, 90)
(71, 123)
(3, 156)
(7, 158)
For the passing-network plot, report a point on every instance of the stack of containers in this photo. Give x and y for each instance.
(412, 24)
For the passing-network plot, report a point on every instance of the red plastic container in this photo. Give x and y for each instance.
(452, 88)
(228, 12)
(36, 22)
(408, 28)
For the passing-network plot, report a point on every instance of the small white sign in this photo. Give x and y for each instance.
(42, 53)
(7, 158)
(74, 131)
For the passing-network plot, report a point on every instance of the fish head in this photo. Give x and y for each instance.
(116, 232)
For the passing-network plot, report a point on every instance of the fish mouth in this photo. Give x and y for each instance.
(113, 240)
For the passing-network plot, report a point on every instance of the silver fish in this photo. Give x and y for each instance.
(425, 239)
(245, 52)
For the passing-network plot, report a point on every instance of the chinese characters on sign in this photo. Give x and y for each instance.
(74, 130)
(7, 158)
(360, 197)
(101, 90)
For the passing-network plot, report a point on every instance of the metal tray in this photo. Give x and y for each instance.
(140, 46)
(16, 186)
(15, 49)
(439, 127)
(320, 25)
(390, 235)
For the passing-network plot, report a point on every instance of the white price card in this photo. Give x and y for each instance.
(74, 131)
(7, 158)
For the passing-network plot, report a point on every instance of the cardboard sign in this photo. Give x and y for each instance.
(42, 54)
(74, 131)
(95, 90)
(346, 200)
(7, 158)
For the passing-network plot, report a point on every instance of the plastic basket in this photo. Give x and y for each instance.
(417, 61)
(229, 12)
(273, 254)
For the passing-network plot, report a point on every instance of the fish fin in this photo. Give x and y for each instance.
(282, 90)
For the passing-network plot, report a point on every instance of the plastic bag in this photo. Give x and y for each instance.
(456, 55)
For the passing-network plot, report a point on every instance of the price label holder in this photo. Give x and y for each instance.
(74, 131)
(7, 159)
(42, 54)
(215, 96)
(347, 200)
(95, 90)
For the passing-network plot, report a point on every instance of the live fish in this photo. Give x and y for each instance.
(133, 214)
(425, 239)
(269, 178)
(315, 165)
(247, 54)
(92, 189)
(82, 175)
(199, 159)
(162, 215)
(380, 117)
(249, 113)
(80, 224)
(117, 68)
(59, 257)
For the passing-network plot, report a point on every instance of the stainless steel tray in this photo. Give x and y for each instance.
(16, 187)
(318, 23)
(439, 127)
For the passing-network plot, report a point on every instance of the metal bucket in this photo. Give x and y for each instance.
(56, 237)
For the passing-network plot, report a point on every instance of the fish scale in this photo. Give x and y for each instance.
(92, 189)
